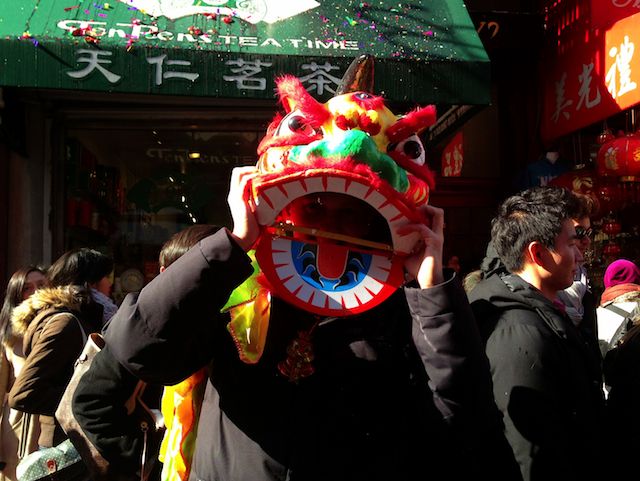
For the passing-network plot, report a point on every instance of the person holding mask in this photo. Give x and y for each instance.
(22, 285)
(354, 355)
(254, 446)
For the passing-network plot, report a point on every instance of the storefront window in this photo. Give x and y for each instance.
(128, 191)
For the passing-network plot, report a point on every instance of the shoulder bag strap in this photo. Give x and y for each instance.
(617, 310)
(624, 326)
(25, 428)
(57, 313)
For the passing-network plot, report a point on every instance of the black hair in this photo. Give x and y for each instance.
(79, 267)
(586, 206)
(13, 297)
(182, 241)
(535, 214)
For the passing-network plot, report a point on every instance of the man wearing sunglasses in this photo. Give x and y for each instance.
(578, 299)
(545, 371)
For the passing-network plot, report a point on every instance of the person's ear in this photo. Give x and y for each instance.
(536, 252)
(162, 269)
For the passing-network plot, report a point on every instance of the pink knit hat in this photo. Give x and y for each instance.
(621, 271)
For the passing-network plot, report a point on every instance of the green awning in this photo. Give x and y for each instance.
(426, 51)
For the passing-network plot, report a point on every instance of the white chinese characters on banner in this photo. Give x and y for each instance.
(587, 99)
(160, 74)
(320, 77)
(621, 69)
(245, 74)
(94, 62)
(562, 103)
(588, 95)
(91, 58)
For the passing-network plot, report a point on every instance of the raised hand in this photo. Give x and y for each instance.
(245, 226)
(425, 263)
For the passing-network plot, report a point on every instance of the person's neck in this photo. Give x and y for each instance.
(532, 277)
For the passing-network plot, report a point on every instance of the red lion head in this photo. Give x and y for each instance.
(335, 182)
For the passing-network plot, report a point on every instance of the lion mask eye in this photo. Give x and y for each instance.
(411, 147)
(295, 123)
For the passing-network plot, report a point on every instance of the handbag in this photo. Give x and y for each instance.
(94, 461)
(58, 463)
(98, 466)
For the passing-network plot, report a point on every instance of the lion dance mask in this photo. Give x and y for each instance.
(336, 181)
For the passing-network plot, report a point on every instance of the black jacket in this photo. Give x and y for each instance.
(546, 380)
(622, 375)
(103, 392)
(400, 392)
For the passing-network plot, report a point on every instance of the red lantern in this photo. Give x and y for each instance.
(611, 227)
(605, 136)
(581, 181)
(612, 249)
(609, 195)
(620, 158)
(605, 192)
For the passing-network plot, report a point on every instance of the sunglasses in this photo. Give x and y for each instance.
(581, 232)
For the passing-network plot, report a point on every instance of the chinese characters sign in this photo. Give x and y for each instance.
(593, 80)
(226, 48)
(453, 157)
(244, 75)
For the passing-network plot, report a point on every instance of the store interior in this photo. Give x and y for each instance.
(128, 190)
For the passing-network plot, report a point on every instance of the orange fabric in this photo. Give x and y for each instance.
(181, 406)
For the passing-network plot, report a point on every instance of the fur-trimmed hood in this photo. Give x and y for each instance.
(66, 297)
(620, 293)
(628, 296)
(633, 296)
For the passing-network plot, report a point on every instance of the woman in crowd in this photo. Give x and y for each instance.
(619, 317)
(55, 323)
(619, 299)
(23, 283)
(99, 401)
(90, 268)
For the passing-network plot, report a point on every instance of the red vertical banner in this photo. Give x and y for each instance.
(596, 75)
(605, 13)
(453, 157)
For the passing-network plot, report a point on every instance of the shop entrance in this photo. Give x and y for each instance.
(128, 184)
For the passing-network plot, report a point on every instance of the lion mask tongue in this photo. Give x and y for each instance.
(331, 260)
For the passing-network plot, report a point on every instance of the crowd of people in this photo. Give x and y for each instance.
(322, 337)
(511, 382)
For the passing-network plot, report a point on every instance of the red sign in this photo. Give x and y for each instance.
(453, 157)
(605, 13)
(596, 75)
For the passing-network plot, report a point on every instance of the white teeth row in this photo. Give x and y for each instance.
(359, 295)
(272, 200)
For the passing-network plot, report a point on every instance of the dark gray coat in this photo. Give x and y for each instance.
(402, 391)
(546, 381)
